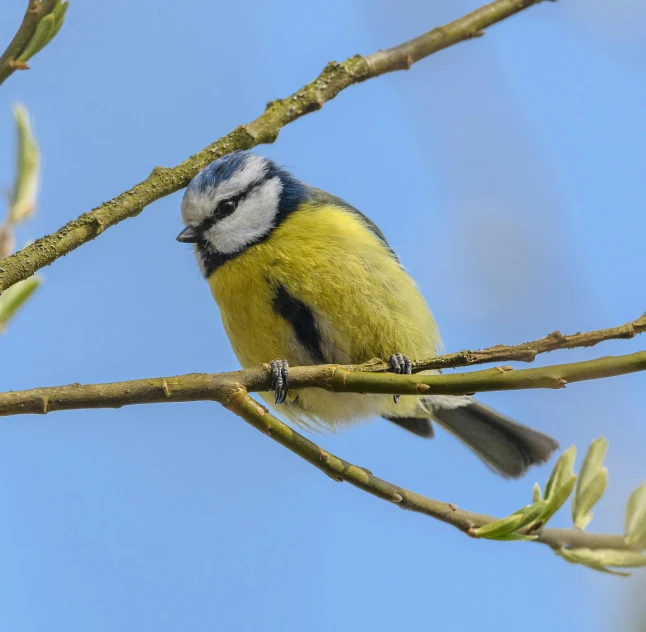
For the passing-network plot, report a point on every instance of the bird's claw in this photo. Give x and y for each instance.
(400, 364)
(279, 379)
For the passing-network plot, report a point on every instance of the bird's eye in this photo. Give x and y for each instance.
(226, 207)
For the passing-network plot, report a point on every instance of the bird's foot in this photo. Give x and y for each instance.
(400, 364)
(279, 378)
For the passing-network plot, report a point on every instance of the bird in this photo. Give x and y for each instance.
(301, 277)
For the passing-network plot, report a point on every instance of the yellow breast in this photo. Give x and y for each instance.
(364, 304)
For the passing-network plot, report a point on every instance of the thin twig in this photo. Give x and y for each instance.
(35, 12)
(236, 398)
(528, 351)
(336, 378)
(241, 403)
(164, 181)
(232, 391)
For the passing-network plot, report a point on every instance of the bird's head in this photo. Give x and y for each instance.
(235, 202)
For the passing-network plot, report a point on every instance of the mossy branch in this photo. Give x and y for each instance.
(264, 129)
(38, 12)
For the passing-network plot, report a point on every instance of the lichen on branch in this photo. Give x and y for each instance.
(264, 129)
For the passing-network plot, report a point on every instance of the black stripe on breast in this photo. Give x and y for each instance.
(302, 320)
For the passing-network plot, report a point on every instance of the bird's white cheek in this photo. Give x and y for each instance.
(252, 220)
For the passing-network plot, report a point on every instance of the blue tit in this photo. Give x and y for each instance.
(301, 275)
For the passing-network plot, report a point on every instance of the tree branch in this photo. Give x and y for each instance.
(36, 11)
(240, 402)
(528, 351)
(164, 181)
(367, 378)
(232, 391)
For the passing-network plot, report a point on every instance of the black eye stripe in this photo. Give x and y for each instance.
(216, 216)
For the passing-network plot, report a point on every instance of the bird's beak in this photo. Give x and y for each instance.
(189, 235)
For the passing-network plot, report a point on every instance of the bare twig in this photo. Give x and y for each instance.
(164, 181)
(528, 351)
(226, 389)
(336, 378)
(232, 391)
(241, 403)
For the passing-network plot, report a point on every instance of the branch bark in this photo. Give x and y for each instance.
(36, 11)
(336, 378)
(164, 181)
(528, 351)
(241, 403)
(232, 391)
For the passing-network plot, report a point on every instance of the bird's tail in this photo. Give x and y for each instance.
(507, 447)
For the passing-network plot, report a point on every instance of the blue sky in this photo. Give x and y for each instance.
(507, 172)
